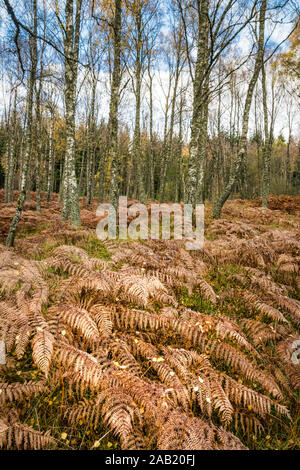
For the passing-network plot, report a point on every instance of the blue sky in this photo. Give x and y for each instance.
(161, 79)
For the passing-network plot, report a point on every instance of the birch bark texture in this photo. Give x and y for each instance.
(114, 105)
(70, 200)
(195, 176)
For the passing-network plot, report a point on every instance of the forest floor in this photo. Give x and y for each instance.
(124, 344)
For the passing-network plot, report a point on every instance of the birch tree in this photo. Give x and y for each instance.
(195, 177)
(114, 104)
(70, 201)
(11, 149)
(268, 138)
(28, 138)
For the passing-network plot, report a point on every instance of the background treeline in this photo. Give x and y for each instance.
(285, 163)
(173, 101)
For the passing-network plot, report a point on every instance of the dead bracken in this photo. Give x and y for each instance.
(159, 347)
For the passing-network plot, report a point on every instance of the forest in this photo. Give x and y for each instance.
(142, 344)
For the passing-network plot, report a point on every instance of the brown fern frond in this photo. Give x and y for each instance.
(259, 332)
(183, 432)
(243, 396)
(15, 435)
(103, 318)
(207, 291)
(240, 362)
(253, 301)
(117, 410)
(291, 306)
(121, 414)
(42, 350)
(79, 320)
(220, 400)
(20, 391)
(249, 423)
(88, 369)
(117, 340)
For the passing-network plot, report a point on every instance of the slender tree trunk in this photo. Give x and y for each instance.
(8, 151)
(151, 155)
(288, 156)
(202, 149)
(61, 174)
(81, 191)
(38, 146)
(267, 145)
(7, 168)
(91, 146)
(195, 177)
(220, 153)
(169, 148)
(114, 106)
(137, 154)
(235, 170)
(31, 86)
(179, 192)
(70, 208)
(11, 154)
(164, 150)
(38, 135)
(51, 159)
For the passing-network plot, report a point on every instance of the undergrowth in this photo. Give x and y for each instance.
(145, 345)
